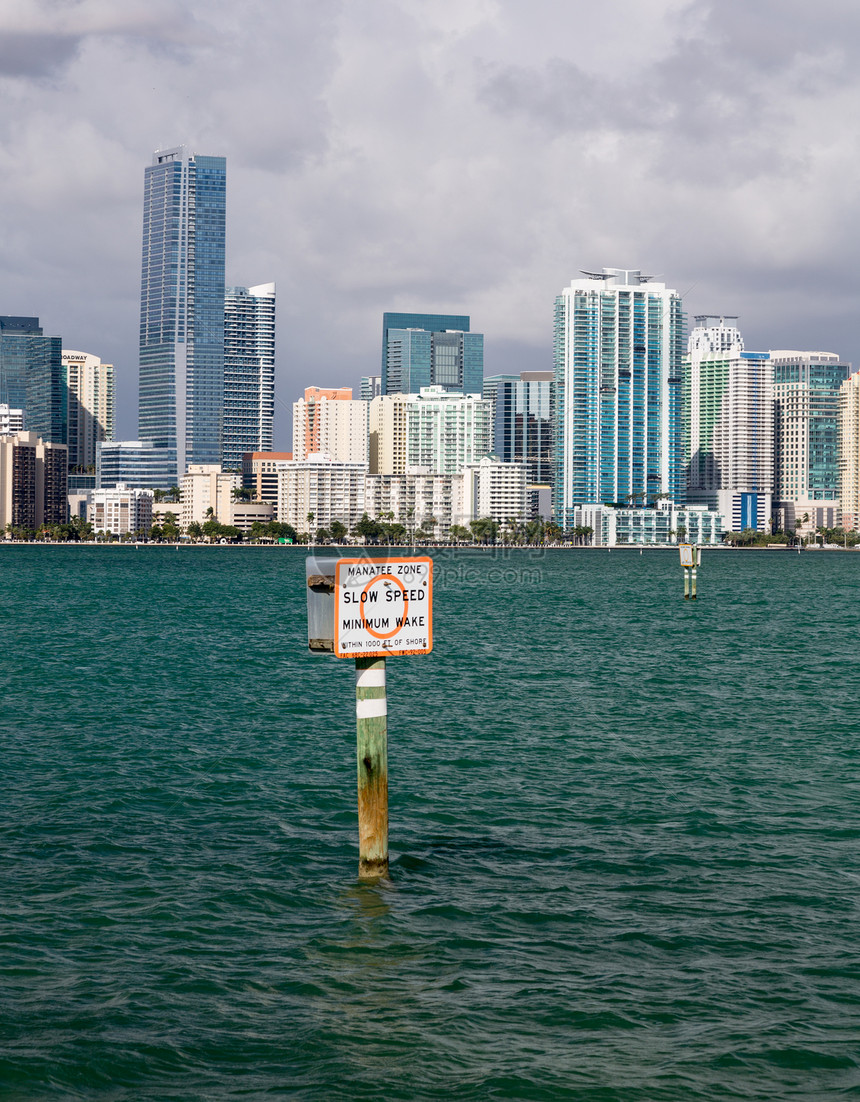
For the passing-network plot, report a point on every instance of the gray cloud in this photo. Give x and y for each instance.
(34, 55)
(467, 155)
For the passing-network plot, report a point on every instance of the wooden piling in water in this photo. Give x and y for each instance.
(371, 713)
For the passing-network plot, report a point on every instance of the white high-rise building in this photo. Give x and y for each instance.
(315, 492)
(92, 405)
(249, 372)
(387, 452)
(806, 390)
(728, 425)
(203, 487)
(420, 502)
(11, 420)
(446, 431)
(496, 490)
(849, 452)
(330, 422)
(433, 432)
(120, 510)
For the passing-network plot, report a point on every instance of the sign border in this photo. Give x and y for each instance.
(383, 652)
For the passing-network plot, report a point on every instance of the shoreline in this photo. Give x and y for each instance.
(405, 547)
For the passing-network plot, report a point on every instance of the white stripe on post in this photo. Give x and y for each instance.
(370, 679)
(368, 709)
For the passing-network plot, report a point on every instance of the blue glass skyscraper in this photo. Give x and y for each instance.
(249, 373)
(431, 350)
(32, 377)
(181, 393)
(619, 345)
(523, 411)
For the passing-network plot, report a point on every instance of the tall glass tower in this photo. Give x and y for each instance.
(249, 373)
(619, 344)
(32, 379)
(431, 350)
(181, 390)
(523, 419)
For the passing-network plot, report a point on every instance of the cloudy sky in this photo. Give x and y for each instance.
(441, 155)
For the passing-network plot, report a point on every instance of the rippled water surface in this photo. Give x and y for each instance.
(624, 830)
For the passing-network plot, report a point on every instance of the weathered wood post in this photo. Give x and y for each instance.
(688, 559)
(371, 610)
(371, 715)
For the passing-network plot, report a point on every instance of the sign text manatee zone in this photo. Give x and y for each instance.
(383, 607)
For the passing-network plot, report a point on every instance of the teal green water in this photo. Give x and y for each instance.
(624, 831)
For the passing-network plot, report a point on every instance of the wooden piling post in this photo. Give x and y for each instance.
(371, 713)
(689, 561)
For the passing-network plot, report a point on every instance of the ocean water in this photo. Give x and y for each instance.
(625, 833)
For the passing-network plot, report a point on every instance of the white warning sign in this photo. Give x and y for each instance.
(383, 607)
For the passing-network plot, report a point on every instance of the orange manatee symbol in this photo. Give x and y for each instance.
(387, 579)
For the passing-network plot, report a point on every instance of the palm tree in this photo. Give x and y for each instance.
(534, 531)
(485, 529)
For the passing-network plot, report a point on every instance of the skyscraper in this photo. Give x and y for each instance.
(849, 452)
(31, 377)
(92, 405)
(330, 422)
(32, 482)
(523, 407)
(618, 351)
(806, 391)
(421, 350)
(307, 417)
(249, 372)
(182, 309)
(136, 463)
(432, 432)
(728, 425)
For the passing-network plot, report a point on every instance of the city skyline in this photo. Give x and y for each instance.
(730, 189)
